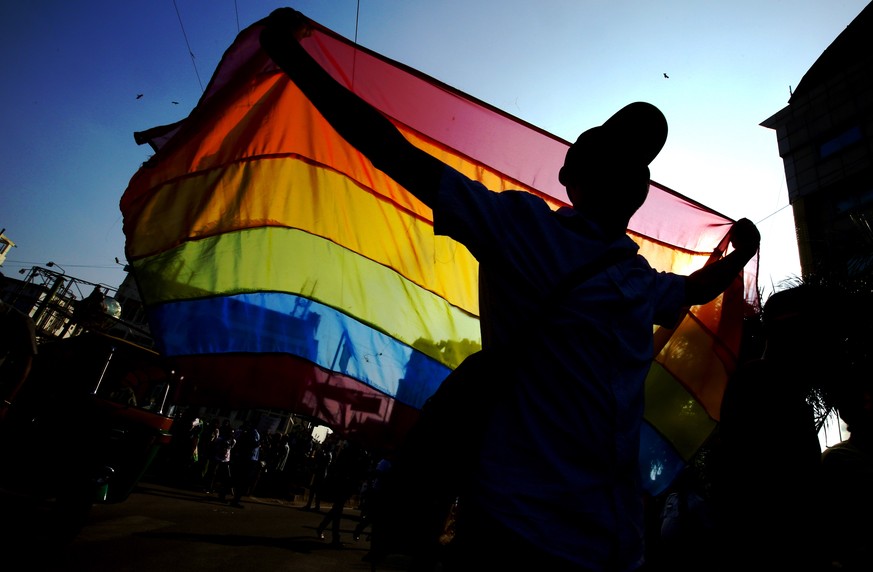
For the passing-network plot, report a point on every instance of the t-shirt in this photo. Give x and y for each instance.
(248, 444)
(560, 461)
(222, 448)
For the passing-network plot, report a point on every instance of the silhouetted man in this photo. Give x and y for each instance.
(558, 479)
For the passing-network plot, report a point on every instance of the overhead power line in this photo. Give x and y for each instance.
(188, 44)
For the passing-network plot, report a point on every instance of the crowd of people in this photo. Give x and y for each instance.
(232, 461)
(759, 493)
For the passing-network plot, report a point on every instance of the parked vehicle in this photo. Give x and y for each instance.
(84, 428)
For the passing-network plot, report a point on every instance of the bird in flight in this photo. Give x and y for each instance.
(666, 76)
(139, 96)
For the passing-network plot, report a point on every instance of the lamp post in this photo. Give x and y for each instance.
(50, 264)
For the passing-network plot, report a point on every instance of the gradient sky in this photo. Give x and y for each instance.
(71, 73)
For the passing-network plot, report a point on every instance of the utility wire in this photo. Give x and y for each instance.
(355, 54)
(188, 44)
(777, 211)
(357, 17)
(28, 263)
(778, 198)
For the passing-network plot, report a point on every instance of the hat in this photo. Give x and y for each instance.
(633, 136)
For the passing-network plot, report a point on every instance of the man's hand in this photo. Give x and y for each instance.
(708, 282)
(360, 124)
(745, 237)
(289, 20)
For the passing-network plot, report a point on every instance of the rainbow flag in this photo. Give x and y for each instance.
(281, 270)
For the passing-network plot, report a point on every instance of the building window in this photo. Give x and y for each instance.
(854, 202)
(840, 142)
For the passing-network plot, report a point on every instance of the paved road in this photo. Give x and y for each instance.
(160, 528)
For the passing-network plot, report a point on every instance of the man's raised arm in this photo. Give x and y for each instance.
(355, 120)
(705, 284)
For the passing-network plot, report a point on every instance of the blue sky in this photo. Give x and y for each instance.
(72, 72)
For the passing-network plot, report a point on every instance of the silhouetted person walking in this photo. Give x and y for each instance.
(322, 457)
(344, 479)
(245, 461)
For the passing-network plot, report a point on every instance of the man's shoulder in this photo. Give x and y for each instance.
(454, 180)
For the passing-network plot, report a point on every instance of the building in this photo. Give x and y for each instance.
(5, 246)
(63, 306)
(825, 138)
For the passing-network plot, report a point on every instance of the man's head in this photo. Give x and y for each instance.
(606, 171)
(807, 324)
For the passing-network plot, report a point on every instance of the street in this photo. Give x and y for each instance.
(160, 528)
